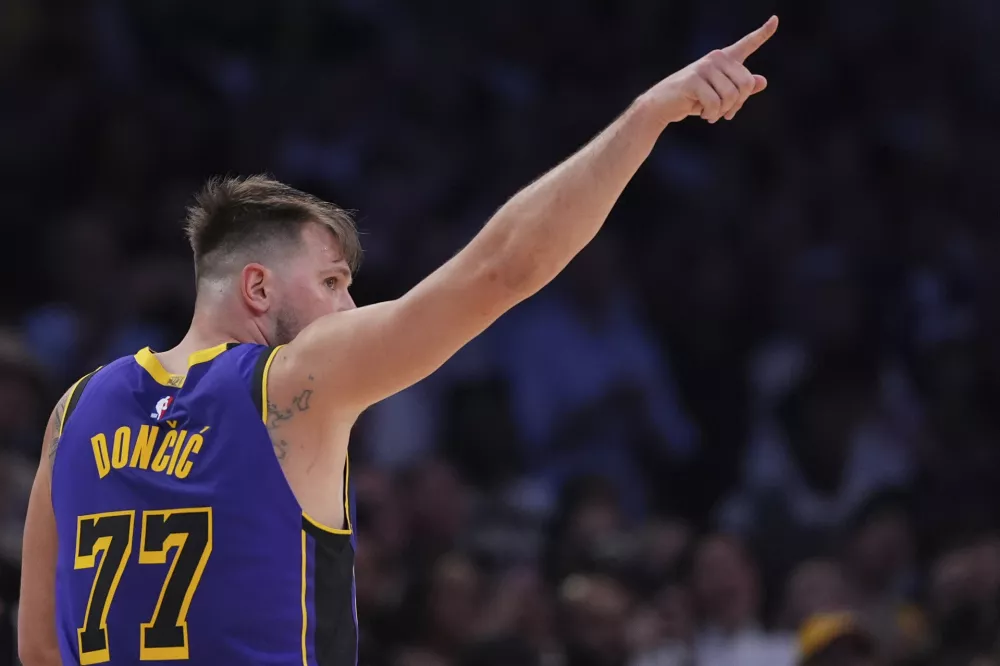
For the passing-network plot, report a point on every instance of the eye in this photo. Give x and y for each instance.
(332, 282)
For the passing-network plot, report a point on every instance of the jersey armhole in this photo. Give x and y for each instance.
(258, 384)
(258, 391)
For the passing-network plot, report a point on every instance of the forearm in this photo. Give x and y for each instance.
(361, 357)
(39, 656)
(539, 230)
(542, 228)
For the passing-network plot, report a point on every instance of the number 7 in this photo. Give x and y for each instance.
(110, 533)
(189, 531)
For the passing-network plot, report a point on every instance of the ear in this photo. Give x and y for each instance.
(257, 288)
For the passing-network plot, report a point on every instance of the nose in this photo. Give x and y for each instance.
(346, 302)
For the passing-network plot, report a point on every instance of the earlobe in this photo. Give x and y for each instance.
(256, 288)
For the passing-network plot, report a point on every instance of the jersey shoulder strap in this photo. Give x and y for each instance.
(258, 381)
(73, 397)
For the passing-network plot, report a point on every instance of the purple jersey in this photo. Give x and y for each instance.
(179, 537)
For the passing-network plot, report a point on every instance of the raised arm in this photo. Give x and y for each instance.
(37, 643)
(351, 360)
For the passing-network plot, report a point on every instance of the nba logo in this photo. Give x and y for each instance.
(161, 407)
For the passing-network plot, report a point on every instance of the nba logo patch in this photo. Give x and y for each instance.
(161, 407)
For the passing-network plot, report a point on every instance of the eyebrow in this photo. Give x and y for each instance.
(343, 271)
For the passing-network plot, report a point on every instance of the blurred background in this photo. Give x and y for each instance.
(755, 423)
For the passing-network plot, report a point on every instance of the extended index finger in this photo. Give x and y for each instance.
(744, 48)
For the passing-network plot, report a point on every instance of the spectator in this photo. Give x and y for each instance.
(815, 587)
(672, 636)
(439, 505)
(444, 608)
(589, 385)
(963, 604)
(593, 614)
(588, 532)
(727, 599)
(835, 640)
(880, 560)
(829, 455)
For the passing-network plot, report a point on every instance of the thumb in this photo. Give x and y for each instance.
(759, 83)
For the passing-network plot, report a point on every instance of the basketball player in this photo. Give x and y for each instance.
(193, 505)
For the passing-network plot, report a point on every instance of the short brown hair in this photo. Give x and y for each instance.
(235, 215)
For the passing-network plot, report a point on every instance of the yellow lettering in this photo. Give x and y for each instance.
(160, 461)
(100, 444)
(144, 445)
(177, 450)
(183, 464)
(119, 454)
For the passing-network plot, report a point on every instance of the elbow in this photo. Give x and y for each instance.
(509, 263)
(512, 283)
(514, 277)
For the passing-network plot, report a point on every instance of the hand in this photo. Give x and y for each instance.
(715, 86)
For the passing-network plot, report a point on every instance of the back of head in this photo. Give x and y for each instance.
(236, 220)
(276, 258)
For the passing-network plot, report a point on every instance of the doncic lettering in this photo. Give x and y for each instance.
(160, 450)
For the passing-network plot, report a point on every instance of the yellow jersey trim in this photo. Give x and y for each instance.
(305, 609)
(347, 493)
(347, 506)
(263, 382)
(318, 525)
(148, 361)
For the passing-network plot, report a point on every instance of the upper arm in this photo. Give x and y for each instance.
(353, 359)
(36, 626)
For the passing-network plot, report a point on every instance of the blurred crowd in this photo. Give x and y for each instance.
(755, 423)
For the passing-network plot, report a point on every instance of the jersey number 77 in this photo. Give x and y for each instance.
(187, 531)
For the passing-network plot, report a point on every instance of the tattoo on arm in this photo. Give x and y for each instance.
(280, 449)
(301, 401)
(277, 415)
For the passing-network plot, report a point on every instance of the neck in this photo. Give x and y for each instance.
(213, 324)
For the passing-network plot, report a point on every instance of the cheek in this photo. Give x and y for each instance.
(314, 301)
